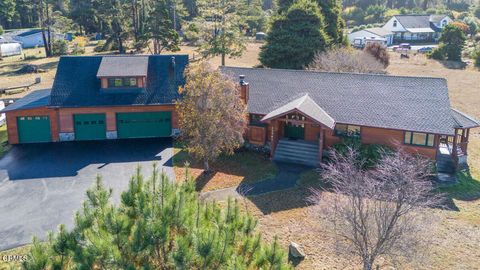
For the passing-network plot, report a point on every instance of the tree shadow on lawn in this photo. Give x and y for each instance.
(292, 198)
(228, 170)
(467, 189)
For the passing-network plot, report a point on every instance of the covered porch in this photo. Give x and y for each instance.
(298, 131)
(454, 147)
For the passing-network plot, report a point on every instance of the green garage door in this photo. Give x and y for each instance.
(89, 126)
(144, 125)
(34, 129)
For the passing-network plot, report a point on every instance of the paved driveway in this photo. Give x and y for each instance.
(42, 185)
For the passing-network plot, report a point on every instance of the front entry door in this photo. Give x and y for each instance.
(294, 131)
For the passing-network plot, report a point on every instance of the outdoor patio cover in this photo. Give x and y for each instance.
(306, 106)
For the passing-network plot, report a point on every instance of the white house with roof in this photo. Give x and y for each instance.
(416, 27)
(362, 37)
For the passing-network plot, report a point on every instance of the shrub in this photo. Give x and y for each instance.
(437, 53)
(369, 153)
(1, 30)
(79, 44)
(100, 47)
(463, 26)
(379, 52)
(192, 34)
(476, 57)
(59, 47)
(346, 60)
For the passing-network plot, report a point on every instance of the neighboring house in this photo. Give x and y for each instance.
(298, 114)
(362, 37)
(97, 98)
(30, 38)
(416, 28)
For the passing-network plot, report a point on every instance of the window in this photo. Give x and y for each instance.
(444, 23)
(255, 120)
(122, 82)
(421, 139)
(395, 23)
(347, 130)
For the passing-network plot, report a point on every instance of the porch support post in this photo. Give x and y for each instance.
(273, 137)
(467, 135)
(454, 148)
(320, 146)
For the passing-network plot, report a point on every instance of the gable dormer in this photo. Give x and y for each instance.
(123, 72)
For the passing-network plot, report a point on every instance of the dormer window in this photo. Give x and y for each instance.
(123, 72)
(395, 23)
(122, 82)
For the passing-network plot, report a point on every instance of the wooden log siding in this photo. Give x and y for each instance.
(257, 135)
(369, 135)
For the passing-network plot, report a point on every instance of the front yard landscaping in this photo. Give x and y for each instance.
(243, 167)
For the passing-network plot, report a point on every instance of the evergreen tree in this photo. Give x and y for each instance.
(158, 224)
(161, 27)
(452, 42)
(221, 33)
(295, 36)
(114, 17)
(7, 12)
(334, 24)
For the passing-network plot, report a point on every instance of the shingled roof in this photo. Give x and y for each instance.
(34, 99)
(123, 66)
(406, 103)
(76, 83)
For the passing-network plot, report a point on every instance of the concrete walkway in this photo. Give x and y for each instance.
(287, 177)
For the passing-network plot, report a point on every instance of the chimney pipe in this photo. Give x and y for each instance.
(244, 89)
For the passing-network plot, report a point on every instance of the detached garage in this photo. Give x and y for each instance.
(144, 125)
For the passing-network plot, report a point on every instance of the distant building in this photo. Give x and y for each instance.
(30, 38)
(365, 36)
(416, 28)
(10, 48)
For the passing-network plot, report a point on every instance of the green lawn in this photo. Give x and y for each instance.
(4, 147)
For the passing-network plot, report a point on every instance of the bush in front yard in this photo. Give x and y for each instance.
(158, 224)
(369, 153)
(437, 53)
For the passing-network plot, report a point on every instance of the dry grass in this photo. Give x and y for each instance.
(9, 259)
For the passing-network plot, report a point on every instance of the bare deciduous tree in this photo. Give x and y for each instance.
(346, 60)
(378, 212)
(212, 116)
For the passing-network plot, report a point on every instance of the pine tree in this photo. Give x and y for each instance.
(160, 27)
(295, 36)
(221, 33)
(335, 25)
(159, 224)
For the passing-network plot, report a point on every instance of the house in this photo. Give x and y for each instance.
(362, 37)
(101, 97)
(30, 38)
(299, 114)
(416, 28)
